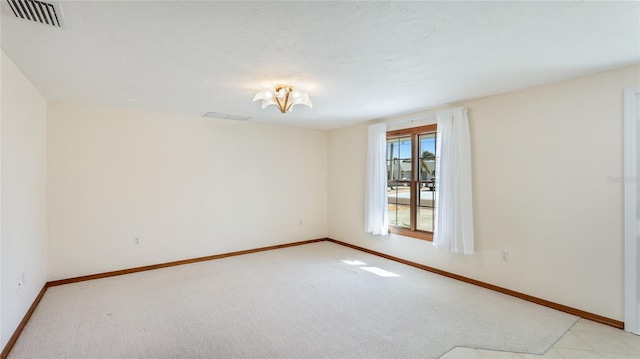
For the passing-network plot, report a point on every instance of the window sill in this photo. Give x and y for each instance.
(426, 236)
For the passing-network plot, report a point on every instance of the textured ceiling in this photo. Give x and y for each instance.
(358, 60)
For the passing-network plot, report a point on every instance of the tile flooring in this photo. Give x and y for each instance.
(585, 340)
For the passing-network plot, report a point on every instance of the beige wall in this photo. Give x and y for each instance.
(187, 186)
(23, 187)
(546, 167)
(546, 164)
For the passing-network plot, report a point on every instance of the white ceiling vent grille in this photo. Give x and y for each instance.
(36, 11)
(226, 116)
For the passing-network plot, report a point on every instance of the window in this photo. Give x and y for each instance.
(411, 155)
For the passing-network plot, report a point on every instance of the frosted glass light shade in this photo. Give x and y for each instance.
(284, 97)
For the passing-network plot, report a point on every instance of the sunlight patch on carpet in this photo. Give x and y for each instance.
(380, 272)
(354, 262)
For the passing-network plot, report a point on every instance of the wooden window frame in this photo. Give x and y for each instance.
(413, 132)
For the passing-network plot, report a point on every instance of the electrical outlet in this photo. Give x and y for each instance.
(505, 255)
(300, 222)
(136, 241)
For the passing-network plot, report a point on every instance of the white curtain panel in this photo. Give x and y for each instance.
(375, 206)
(453, 230)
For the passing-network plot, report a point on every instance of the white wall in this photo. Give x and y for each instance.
(547, 163)
(2, 343)
(23, 187)
(187, 186)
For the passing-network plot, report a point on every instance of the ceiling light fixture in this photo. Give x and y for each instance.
(284, 97)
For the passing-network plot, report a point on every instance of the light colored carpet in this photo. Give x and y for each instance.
(297, 302)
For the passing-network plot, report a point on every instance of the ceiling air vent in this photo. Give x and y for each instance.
(36, 11)
(226, 116)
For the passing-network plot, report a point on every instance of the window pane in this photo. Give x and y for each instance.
(425, 208)
(392, 198)
(399, 215)
(398, 160)
(427, 151)
(399, 200)
(399, 172)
